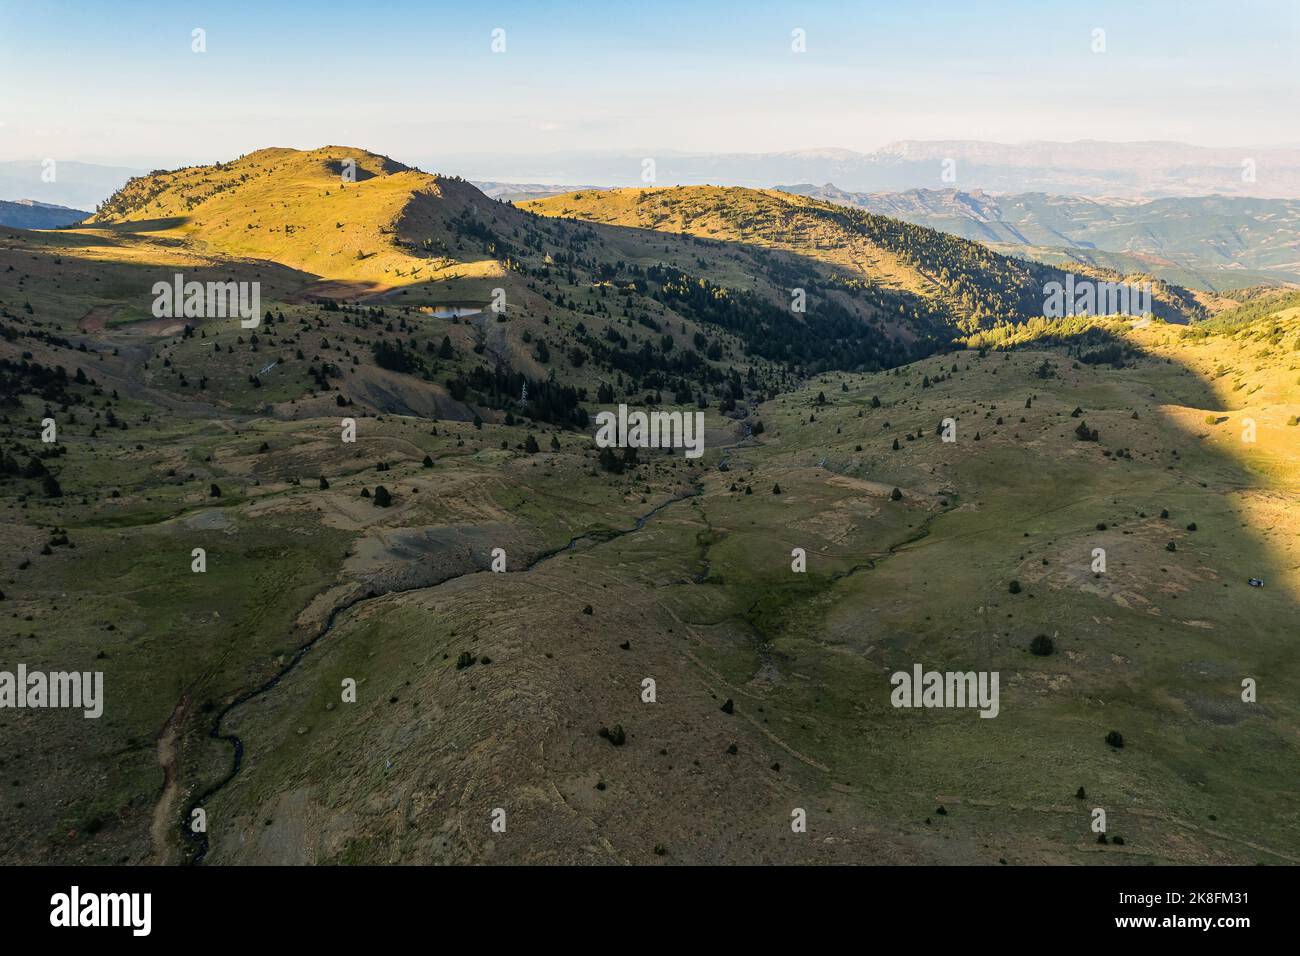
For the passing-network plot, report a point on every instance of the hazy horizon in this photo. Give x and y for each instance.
(677, 78)
(161, 162)
(1101, 170)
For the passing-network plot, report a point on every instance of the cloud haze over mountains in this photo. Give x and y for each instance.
(62, 182)
(1086, 168)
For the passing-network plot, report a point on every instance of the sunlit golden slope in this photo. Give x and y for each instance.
(301, 210)
(972, 281)
(760, 217)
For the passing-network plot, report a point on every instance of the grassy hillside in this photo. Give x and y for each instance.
(480, 689)
(967, 285)
(298, 209)
(1258, 305)
(614, 310)
(704, 600)
(1207, 242)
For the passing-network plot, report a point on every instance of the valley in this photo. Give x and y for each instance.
(496, 587)
(1215, 243)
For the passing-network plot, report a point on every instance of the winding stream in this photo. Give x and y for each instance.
(200, 840)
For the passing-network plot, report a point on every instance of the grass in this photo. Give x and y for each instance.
(701, 599)
(808, 656)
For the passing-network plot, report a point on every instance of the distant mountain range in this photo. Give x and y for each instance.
(1085, 168)
(521, 192)
(65, 183)
(1212, 242)
(1214, 219)
(29, 214)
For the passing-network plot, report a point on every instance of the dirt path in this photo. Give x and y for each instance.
(96, 318)
(1145, 814)
(169, 755)
(339, 289)
(200, 840)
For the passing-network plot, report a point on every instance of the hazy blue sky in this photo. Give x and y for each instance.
(119, 83)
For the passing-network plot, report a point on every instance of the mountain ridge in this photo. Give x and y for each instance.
(32, 214)
(823, 432)
(1229, 241)
(1086, 167)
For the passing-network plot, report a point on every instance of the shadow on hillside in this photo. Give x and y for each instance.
(1017, 286)
(143, 225)
(1249, 644)
(127, 283)
(1228, 630)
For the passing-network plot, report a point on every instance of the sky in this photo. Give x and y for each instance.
(121, 84)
